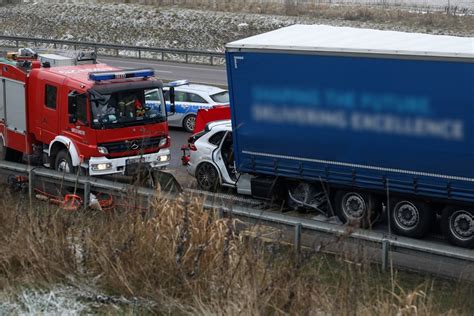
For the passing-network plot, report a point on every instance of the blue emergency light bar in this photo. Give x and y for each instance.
(177, 83)
(123, 74)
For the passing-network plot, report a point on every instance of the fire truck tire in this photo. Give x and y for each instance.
(189, 122)
(63, 162)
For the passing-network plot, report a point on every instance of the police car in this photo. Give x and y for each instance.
(188, 100)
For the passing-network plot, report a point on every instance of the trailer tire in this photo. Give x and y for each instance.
(411, 218)
(457, 224)
(189, 122)
(207, 177)
(63, 162)
(356, 208)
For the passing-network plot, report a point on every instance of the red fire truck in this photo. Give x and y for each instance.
(89, 117)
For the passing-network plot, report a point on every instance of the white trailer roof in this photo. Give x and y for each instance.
(324, 38)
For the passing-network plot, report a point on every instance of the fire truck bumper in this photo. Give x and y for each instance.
(103, 165)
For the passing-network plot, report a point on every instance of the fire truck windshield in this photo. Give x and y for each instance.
(126, 108)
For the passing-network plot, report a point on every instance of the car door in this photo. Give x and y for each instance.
(194, 103)
(223, 157)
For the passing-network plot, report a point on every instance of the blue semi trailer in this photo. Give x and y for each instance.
(337, 119)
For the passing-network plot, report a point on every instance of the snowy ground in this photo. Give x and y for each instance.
(174, 27)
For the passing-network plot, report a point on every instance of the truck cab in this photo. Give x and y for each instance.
(95, 117)
(91, 118)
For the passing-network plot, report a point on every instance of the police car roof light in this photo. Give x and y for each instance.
(131, 73)
(177, 83)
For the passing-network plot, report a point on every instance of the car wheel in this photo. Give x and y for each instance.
(457, 224)
(63, 162)
(189, 122)
(356, 208)
(411, 218)
(207, 177)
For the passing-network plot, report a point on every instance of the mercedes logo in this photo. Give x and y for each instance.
(134, 145)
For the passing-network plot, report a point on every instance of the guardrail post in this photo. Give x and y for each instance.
(54, 45)
(95, 51)
(139, 54)
(385, 252)
(212, 60)
(116, 52)
(186, 58)
(87, 194)
(297, 240)
(31, 179)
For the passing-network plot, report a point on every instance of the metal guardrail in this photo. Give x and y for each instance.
(141, 52)
(429, 254)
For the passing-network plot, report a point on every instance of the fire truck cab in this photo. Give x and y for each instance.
(89, 117)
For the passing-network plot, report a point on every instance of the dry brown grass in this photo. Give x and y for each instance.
(188, 260)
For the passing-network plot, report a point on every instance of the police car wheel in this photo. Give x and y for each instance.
(189, 122)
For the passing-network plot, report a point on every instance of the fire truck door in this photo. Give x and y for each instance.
(49, 120)
(78, 126)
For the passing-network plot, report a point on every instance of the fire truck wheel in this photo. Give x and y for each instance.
(189, 122)
(63, 162)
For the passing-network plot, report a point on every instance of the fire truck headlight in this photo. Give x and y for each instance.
(164, 158)
(163, 142)
(101, 166)
(102, 150)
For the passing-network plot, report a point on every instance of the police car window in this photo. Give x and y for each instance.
(180, 96)
(50, 95)
(195, 98)
(216, 138)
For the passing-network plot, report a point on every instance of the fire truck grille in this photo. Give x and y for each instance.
(132, 145)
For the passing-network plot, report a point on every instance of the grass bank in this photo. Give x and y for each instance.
(178, 258)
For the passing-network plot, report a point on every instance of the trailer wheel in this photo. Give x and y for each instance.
(457, 224)
(356, 208)
(189, 123)
(411, 218)
(63, 162)
(207, 177)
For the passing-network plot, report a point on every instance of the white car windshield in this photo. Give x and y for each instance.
(126, 108)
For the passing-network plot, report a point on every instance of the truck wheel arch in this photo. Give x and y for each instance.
(61, 142)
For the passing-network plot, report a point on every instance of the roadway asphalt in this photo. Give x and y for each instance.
(167, 71)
